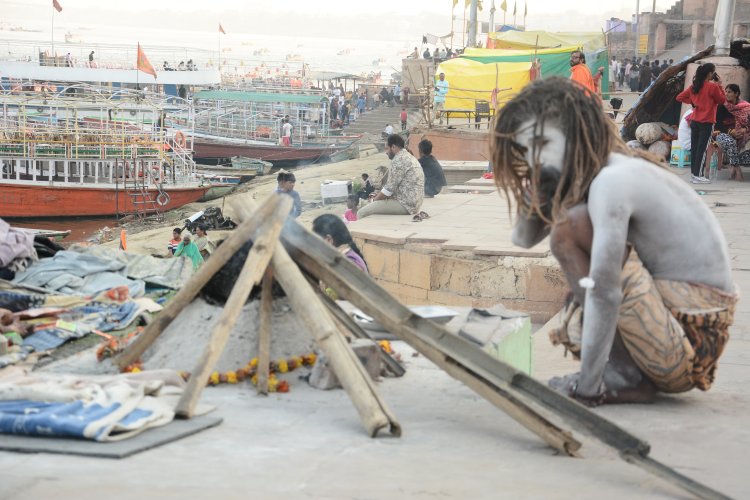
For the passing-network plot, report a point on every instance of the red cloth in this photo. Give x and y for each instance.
(580, 73)
(403, 116)
(704, 102)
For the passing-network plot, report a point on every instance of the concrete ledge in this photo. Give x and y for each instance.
(461, 256)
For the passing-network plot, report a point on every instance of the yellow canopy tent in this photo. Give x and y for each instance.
(470, 81)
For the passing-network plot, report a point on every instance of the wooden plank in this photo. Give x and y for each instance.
(264, 334)
(323, 262)
(257, 261)
(188, 292)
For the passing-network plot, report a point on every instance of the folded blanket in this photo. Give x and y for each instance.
(100, 408)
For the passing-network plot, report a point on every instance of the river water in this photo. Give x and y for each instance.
(81, 228)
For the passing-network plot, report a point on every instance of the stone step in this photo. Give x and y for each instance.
(463, 188)
(480, 182)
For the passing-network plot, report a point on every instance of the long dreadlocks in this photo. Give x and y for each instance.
(590, 138)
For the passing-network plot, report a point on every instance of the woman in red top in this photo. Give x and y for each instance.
(704, 95)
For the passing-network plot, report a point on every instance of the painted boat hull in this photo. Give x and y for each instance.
(215, 192)
(34, 200)
(205, 150)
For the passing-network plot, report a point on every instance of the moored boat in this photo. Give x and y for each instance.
(66, 157)
(249, 124)
(243, 163)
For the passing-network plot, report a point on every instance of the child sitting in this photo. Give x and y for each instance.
(367, 187)
(352, 204)
(175, 241)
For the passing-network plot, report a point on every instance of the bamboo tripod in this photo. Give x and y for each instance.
(267, 258)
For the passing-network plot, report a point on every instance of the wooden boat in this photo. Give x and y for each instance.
(218, 150)
(34, 200)
(70, 163)
(243, 163)
(216, 191)
(53, 234)
(221, 174)
(248, 124)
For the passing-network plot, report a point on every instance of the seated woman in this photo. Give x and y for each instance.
(333, 229)
(204, 244)
(733, 130)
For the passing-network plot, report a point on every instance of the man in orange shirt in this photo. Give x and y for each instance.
(580, 73)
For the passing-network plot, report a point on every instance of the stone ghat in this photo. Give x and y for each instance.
(460, 256)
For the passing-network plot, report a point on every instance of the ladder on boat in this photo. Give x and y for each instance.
(137, 179)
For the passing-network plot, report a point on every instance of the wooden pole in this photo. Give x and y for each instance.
(257, 261)
(264, 335)
(187, 293)
(373, 412)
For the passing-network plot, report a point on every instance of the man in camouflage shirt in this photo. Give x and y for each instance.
(404, 187)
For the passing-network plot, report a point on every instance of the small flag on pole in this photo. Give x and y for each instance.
(143, 63)
(504, 6)
(57, 5)
(221, 29)
(514, 7)
(525, 9)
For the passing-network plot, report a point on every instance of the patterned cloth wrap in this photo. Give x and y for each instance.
(675, 331)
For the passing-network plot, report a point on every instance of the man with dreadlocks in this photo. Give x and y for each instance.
(645, 258)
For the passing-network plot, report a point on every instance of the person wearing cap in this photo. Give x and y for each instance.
(441, 90)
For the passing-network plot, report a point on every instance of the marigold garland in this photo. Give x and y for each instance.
(112, 346)
(251, 371)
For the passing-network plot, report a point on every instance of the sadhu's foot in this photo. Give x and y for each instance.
(644, 392)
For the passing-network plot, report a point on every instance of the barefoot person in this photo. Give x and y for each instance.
(644, 256)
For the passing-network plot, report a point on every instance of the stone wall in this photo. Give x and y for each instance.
(424, 274)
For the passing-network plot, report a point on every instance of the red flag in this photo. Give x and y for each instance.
(221, 30)
(57, 5)
(143, 63)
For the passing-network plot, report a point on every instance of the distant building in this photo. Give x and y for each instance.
(668, 32)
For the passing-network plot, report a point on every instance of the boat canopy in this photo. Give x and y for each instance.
(233, 95)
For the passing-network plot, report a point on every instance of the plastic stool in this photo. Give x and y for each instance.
(679, 157)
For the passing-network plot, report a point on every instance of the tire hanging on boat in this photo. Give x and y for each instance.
(163, 199)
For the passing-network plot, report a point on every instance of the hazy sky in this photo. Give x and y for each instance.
(379, 20)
